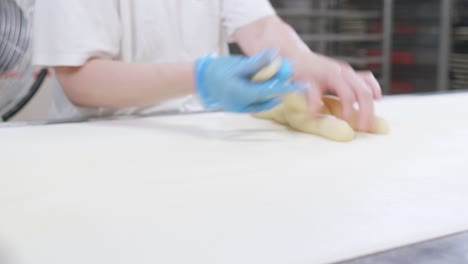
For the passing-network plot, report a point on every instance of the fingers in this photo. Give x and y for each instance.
(346, 94)
(256, 63)
(351, 88)
(372, 83)
(364, 97)
(314, 99)
(366, 110)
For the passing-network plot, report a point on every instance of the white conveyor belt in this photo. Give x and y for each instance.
(223, 188)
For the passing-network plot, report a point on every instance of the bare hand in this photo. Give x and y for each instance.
(327, 75)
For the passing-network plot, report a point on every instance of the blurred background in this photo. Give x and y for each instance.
(412, 46)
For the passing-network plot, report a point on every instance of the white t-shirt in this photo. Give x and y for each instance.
(69, 32)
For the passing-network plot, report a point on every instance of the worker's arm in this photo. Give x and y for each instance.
(323, 74)
(223, 83)
(107, 83)
(82, 41)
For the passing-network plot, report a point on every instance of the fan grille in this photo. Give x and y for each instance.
(16, 71)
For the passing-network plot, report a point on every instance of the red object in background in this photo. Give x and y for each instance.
(401, 87)
(9, 74)
(399, 28)
(398, 58)
(15, 74)
(403, 58)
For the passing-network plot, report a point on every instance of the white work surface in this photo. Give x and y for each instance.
(224, 188)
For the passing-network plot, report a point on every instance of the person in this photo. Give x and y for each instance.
(120, 56)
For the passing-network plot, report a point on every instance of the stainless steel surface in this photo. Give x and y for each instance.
(416, 38)
(452, 249)
(322, 26)
(445, 44)
(346, 30)
(387, 44)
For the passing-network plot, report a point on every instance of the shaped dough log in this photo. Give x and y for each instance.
(324, 125)
(267, 72)
(276, 114)
(333, 104)
(293, 113)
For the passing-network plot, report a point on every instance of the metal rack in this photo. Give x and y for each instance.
(410, 46)
(459, 53)
(327, 27)
(429, 46)
(416, 38)
(445, 44)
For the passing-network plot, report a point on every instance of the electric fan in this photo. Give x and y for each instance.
(19, 80)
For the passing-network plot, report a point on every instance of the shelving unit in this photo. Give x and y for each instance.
(342, 29)
(422, 45)
(459, 54)
(415, 46)
(445, 44)
(411, 46)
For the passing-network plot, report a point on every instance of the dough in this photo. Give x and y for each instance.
(333, 105)
(293, 113)
(268, 71)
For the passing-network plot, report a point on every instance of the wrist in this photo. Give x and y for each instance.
(201, 89)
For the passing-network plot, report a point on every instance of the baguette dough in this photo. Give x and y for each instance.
(293, 113)
(267, 72)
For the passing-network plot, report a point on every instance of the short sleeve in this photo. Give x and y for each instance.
(69, 32)
(238, 13)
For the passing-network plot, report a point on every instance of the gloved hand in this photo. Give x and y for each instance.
(224, 83)
(293, 113)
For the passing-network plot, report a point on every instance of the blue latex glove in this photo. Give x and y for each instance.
(224, 83)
